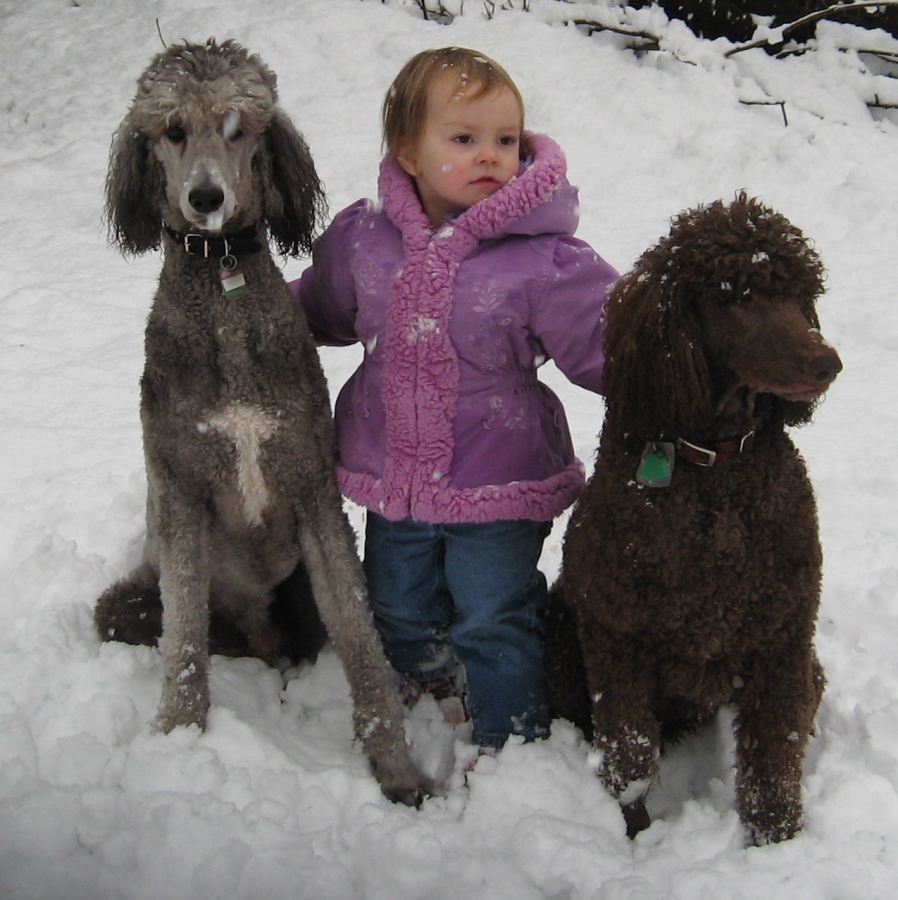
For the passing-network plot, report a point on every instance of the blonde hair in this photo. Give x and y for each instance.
(405, 105)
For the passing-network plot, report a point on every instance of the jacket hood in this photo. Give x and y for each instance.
(538, 200)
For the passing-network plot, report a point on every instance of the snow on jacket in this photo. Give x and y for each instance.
(445, 419)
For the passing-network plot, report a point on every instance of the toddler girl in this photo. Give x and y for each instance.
(460, 284)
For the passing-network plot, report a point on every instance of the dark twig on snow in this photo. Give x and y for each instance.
(652, 40)
(780, 103)
(440, 14)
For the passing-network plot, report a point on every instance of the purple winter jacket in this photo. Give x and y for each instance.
(445, 419)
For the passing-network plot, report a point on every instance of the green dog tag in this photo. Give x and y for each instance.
(656, 464)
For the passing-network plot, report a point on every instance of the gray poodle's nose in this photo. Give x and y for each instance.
(206, 200)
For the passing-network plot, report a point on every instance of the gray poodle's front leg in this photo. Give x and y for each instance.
(340, 592)
(184, 583)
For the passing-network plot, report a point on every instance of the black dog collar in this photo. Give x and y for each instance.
(238, 244)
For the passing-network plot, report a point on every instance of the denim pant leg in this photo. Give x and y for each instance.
(499, 597)
(411, 606)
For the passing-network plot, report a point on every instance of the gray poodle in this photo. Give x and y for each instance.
(238, 434)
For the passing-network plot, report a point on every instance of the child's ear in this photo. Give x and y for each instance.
(407, 159)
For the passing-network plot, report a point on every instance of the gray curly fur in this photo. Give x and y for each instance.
(672, 601)
(238, 434)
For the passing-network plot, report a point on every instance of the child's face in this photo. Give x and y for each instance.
(469, 147)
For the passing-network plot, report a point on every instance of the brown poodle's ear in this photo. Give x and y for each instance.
(134, 184)
(292, 194)
(656, 380)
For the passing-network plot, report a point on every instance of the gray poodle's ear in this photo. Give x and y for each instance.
(134, 185)
(292, 194)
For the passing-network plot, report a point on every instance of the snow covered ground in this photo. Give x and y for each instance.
(273, 800)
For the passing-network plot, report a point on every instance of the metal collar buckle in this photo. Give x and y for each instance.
(702, 456)
(205, 245)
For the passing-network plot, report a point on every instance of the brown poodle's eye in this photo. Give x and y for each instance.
(176, 134)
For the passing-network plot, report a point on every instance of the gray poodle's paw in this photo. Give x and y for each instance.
(400, 780)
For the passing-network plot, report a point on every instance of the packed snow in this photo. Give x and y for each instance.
(274, 800)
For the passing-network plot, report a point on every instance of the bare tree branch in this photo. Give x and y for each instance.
(780, 103)
(808, 19)
(653, 41)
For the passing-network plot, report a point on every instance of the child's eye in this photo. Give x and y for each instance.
(509, 141)
(463, 138)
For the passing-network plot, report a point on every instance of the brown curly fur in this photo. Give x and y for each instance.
(705, 592)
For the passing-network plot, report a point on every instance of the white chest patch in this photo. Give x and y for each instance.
(248, 427)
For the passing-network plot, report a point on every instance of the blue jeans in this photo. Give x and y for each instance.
(467, 593)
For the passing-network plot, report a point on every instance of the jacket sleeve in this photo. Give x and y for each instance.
(568, 319)
(326, 289)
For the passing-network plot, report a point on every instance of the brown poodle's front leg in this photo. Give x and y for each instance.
(776, 714)
(627, 735)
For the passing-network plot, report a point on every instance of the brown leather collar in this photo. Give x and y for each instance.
(716, 452)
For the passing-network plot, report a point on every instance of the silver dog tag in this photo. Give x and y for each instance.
(232, 281)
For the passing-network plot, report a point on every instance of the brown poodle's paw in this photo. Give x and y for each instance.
(761, 834)
(758, 838)
(636, 816)
(770, 808)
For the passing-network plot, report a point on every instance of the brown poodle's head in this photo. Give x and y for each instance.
(205, 148)
(726, 301)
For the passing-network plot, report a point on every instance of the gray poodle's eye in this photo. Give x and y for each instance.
(176, 134)
(230, 127)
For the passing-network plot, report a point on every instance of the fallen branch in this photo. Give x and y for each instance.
(885, 56)
(807, 20)
(652, 40)
(780, 103)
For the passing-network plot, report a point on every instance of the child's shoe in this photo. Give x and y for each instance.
(448, 691)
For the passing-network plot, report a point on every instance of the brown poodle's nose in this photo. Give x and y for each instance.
(206, 200)
(826, 367)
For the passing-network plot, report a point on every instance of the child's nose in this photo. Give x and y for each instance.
(487, 153)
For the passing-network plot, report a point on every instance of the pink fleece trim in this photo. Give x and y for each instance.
(421, 374)
(540, 501)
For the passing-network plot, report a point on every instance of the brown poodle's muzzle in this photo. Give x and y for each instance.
(824, 369)
(813, 369)
(774, 347)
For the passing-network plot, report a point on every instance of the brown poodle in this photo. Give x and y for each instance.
(691, 569)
